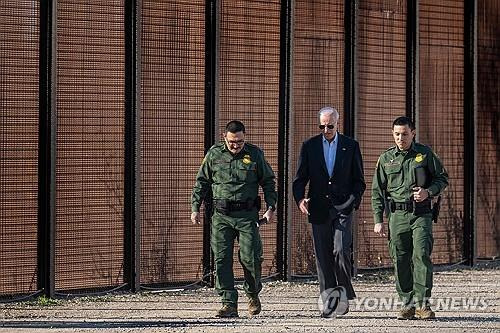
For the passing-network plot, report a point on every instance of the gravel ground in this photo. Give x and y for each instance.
(287, 307)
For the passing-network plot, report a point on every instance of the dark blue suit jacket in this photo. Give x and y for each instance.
(347, 179)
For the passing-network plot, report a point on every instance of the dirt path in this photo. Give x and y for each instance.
(465, 301)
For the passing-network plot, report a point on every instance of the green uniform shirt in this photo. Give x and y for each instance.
(234, 177)
(395, 176)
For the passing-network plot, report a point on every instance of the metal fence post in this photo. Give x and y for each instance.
(411, 60)
(132, 145)
(350, 96)
(284, 142)
(210, 121)
(47, 149)
(470, 121)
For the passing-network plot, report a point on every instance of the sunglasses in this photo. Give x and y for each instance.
(239, 142)
(322, 127)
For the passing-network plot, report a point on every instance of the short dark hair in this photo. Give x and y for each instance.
(402, 121)
(235, 126)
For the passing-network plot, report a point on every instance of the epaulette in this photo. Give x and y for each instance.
(421, 145)
(251, 145)
(390, 148)
(217, 145)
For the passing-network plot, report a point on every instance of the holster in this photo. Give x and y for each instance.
(435, 209)
(387, 207)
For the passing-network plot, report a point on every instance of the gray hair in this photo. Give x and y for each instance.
(329, 110)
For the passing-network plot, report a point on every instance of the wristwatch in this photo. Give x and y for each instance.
(271, 208)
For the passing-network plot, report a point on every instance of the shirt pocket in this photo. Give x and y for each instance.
(221, 173)
(246, 172)
(394, 177)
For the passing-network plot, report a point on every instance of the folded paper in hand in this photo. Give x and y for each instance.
(345, 204)
(262, 221)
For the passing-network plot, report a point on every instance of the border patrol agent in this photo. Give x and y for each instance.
(233, 170)
(407, 176)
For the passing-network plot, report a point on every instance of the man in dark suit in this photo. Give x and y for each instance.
(332, 165)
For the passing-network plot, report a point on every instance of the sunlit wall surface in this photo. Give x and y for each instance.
(381, 97)
(19, 38)
(90, 144)
(172, 121)
(440, 114)
(317, 80)
(488, 125)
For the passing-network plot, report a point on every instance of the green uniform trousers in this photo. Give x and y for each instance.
(225, 229)
(410, 247)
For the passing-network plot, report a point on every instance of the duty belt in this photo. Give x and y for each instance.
(402, 206)
(417, 208)
(225, 206)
